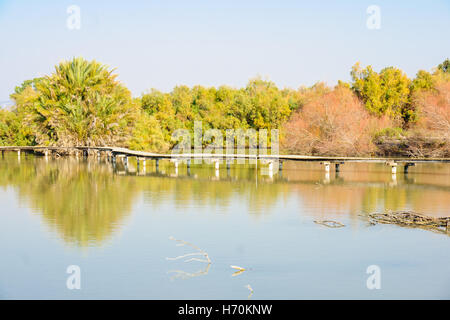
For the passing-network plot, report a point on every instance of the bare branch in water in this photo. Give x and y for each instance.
(238, 272)
(200, 251)
(186, 275)
(330, 223)
(412, 219)
(251, 290)
(183, 274)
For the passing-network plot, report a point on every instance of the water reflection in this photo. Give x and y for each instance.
(86, 202)
(83, 201)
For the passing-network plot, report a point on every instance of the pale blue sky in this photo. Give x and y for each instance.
(160, 44)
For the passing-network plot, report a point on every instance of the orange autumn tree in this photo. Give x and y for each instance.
(336, 123)
(431, 135)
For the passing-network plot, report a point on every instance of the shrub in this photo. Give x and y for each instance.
(335, 123)
(431, 134)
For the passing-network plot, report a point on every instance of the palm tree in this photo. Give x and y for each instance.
(81, 103)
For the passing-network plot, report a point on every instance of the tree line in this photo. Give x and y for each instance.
(376, 113)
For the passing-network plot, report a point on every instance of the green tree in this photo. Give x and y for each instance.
(12, 131)
(160, 106)
(269, 107)
(81, 103)
(147, 135)
(26, 84)
(383, 93)
(444, 66)
(423, 81)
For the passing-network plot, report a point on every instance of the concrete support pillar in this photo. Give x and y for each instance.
(407, 165)
(327, 177)
(270, 166)
(157, 164)
(326, 165)
(144, 162)
(113, 161)
(46, 155)
(393, 166)
(175, 164)
(188, 163)
(216, 164)
(3, 154)
(18, 154)
(280, 165)
(337, 167)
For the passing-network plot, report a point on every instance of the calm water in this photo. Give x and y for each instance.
(116, 228)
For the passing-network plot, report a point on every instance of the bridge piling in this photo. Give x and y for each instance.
(216, 164)
(393, 166)
(270, 166)
(327, 165)
(110, 153)
(407, 165)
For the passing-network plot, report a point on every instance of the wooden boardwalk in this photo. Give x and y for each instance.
(281, 157)
(113, 152)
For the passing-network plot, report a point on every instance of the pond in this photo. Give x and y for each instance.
(120, 229)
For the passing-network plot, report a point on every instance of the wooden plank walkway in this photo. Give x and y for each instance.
(282, 157)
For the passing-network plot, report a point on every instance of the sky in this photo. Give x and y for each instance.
(161, 44)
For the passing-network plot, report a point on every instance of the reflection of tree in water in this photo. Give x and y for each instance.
(86, 202)
(429, 201)
(83, 201)
(203, 191)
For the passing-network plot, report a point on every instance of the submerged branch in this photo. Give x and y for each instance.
(411, 219)
(330, 223)
(200, 252)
